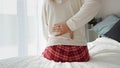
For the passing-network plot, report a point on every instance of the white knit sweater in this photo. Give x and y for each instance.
(76, 13)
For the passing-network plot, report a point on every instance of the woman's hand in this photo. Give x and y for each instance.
(62, 28)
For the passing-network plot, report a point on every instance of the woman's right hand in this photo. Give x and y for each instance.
(61, 29)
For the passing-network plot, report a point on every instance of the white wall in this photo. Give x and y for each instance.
(109, 7)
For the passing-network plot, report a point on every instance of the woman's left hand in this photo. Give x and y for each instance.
(62, 28)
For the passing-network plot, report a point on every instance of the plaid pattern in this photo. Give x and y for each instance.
(66, 53)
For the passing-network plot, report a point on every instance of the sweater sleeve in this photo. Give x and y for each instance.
(44, 22)
(87, 12)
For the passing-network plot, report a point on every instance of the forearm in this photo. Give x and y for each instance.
(89, 10)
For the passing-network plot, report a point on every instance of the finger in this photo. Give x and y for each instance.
(59, 34)
(56, 25)
(56, 29)
(72, 35)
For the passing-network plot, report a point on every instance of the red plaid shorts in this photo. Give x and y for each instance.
(67, 53)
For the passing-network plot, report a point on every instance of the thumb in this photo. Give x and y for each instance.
(71, 34)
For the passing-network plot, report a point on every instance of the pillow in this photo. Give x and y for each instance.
(104, 26)
(114, 33)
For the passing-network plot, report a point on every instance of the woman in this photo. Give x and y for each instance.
(64, 28)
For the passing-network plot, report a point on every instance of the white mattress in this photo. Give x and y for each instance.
(105, 53)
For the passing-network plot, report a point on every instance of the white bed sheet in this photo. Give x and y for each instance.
(105, 53)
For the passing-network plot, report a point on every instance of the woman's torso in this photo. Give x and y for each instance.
(61, 12)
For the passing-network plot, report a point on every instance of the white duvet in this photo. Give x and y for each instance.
(105, 53)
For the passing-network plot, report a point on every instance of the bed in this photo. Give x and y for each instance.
(104, 52)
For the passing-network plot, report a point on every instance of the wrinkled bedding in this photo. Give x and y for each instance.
(105, 53)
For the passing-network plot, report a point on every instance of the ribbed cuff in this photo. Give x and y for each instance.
(71, 25)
